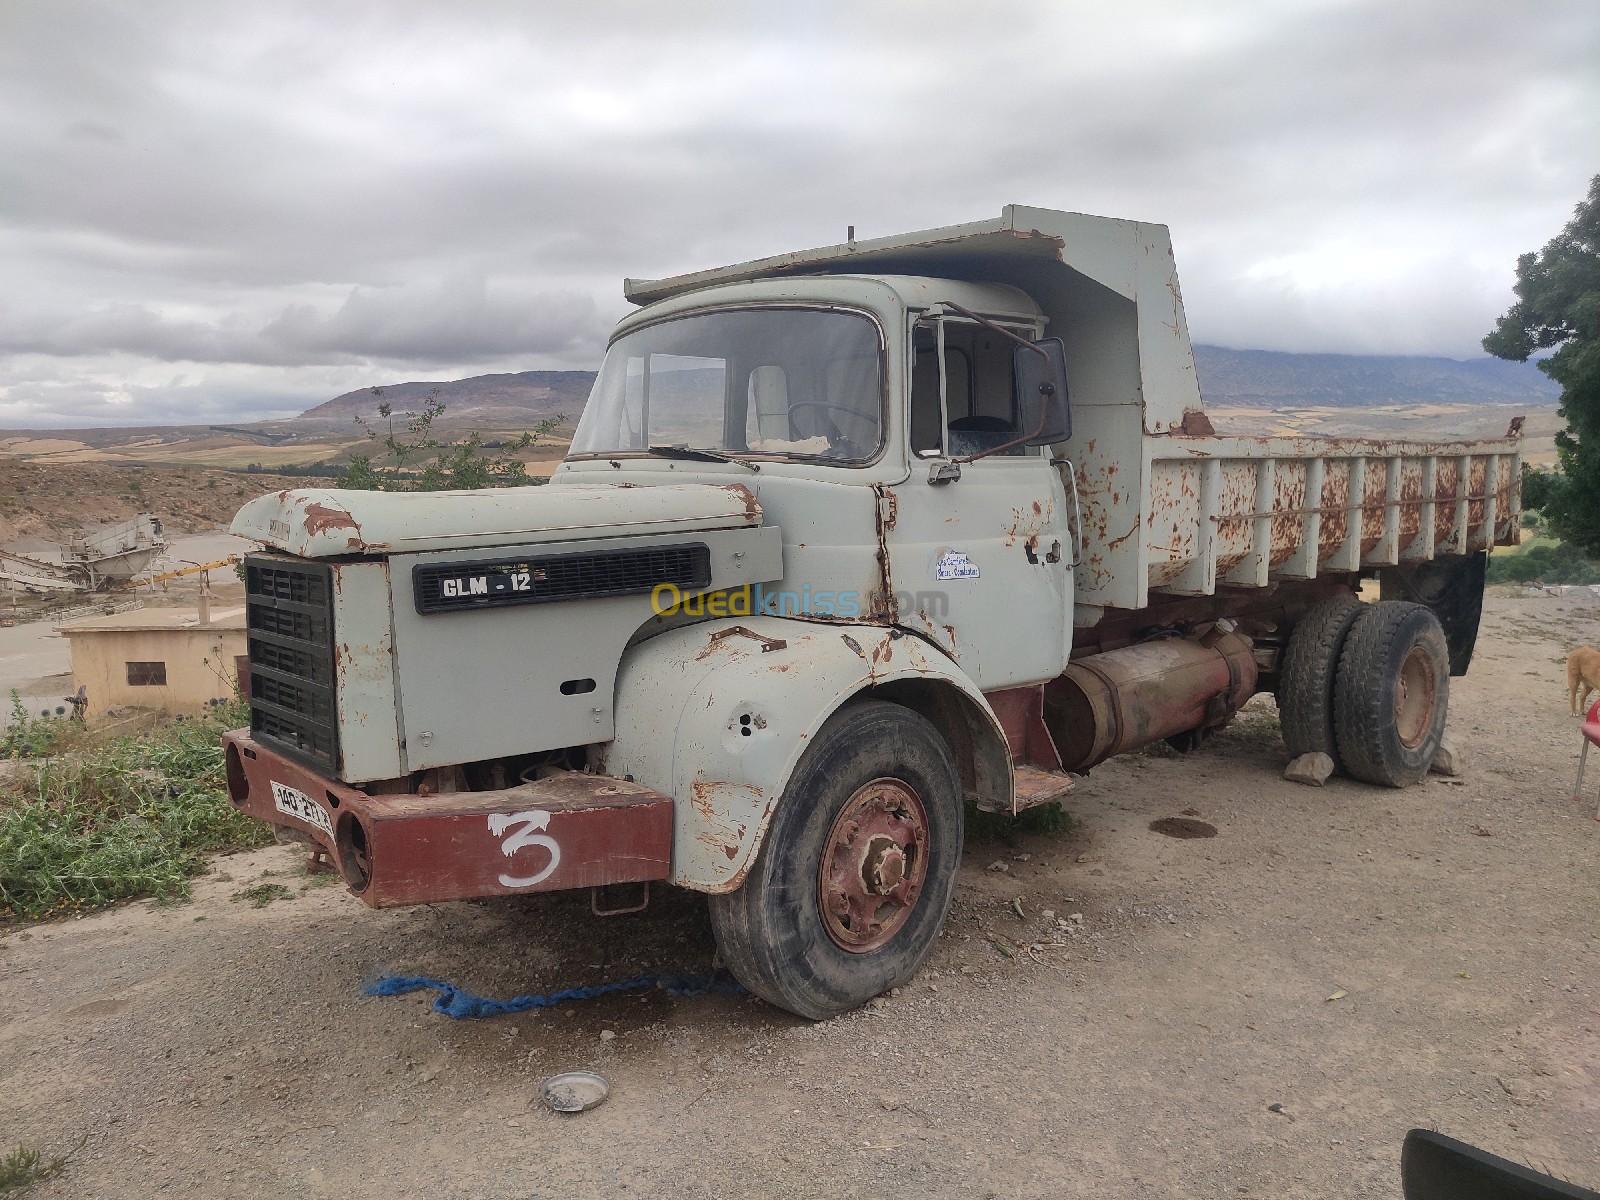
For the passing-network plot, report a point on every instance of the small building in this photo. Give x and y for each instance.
(174, 659)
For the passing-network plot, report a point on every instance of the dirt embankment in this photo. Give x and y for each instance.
(51, 501)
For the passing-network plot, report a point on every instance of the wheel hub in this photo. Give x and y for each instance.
(885, 866)
(873, 865)
(1414, 696)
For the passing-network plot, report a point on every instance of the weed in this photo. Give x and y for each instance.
(25, 1166)
(263, 894)
(134, 817)
(28, 736)
(1043, 818)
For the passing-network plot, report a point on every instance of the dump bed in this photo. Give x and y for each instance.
(1244, 511)
(1167, 506)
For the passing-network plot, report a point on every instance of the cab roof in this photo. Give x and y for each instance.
(1098, 247)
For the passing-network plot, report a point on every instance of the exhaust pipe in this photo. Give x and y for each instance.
(1112, 703)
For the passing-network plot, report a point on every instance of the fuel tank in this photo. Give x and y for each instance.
(1112, 703)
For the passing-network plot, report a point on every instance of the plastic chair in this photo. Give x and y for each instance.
(1591, 737)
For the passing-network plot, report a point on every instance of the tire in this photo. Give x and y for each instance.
(1392, 694)
(1306, 683)
(894, 772)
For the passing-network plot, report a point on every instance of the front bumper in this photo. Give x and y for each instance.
(568, 830)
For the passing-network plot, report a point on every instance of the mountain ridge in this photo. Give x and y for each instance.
(1229, 377)
(1278, 379)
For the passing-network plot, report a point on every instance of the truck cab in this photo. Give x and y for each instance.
(890, 428)
(849, 542)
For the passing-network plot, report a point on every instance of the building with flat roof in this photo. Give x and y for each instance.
(177, 660)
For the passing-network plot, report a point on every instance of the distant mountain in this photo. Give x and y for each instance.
(1254, 378)
(487, 399)
(1268, 379)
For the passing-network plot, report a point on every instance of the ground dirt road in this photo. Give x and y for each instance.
(216, 1049)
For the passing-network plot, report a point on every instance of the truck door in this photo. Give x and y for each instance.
(980, 562)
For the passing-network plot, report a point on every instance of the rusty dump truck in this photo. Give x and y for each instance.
(848, 540)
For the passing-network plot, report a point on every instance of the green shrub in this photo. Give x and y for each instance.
(135, 817)
(25, 1166)
(1543, 560)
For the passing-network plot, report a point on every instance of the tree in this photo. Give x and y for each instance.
(1539, 487)
(414, 459)
(1558, 308)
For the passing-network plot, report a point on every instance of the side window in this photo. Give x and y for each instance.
(989, 418)
(926, 432)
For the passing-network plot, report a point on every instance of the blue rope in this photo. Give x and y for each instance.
(462, 1005)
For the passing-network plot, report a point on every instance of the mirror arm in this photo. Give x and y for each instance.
(991, 326)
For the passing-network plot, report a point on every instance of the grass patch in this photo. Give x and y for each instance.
(134, 817)
(263, 894)
(25, 1166)
(1002, 826)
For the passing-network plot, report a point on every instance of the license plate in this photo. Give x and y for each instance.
(296, 803)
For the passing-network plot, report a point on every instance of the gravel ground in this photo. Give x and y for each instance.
(1366, 960)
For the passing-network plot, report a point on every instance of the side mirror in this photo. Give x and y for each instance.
(1042, 408)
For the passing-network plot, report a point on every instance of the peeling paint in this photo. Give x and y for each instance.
(319, 518)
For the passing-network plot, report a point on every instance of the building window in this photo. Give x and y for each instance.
(147, 674)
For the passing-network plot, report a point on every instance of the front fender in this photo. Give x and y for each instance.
(717, 715)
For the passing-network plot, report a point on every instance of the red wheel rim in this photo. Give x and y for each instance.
(873, 865)
(1414, 694)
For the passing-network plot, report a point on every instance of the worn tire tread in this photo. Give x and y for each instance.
(1310, 667)
(1369, 746)
(771, 941)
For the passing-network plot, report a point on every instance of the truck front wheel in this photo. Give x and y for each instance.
(855, 878)
(1391, 694)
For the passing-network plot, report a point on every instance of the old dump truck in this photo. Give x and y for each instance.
(847, 540)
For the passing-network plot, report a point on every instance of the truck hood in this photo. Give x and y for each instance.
(335, 523)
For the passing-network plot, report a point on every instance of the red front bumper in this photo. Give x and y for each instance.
(569, 830)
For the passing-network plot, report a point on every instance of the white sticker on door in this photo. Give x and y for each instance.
(954, 564)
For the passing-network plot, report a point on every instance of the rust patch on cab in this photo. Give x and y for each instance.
(752, 506)
(322, 517)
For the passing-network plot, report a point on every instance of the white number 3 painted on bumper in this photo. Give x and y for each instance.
(525, 836)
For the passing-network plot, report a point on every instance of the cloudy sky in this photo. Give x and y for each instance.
(222, 211)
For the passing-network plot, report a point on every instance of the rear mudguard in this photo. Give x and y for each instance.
(717, 715)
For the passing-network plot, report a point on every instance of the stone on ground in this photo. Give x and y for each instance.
(1450, 760)
(1311, 769)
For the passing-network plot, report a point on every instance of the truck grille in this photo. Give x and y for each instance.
(289, 622)
(451, 587)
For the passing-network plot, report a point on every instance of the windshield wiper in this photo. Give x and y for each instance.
(696, 454)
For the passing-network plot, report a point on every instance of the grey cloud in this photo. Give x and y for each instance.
(463, 319)
(387, 186)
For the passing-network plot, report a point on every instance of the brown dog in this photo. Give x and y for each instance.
(1583, 671)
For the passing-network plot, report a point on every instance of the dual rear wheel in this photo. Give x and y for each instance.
(1368, 685)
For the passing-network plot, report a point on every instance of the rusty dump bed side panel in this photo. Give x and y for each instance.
(569, 830)
(1220, 512)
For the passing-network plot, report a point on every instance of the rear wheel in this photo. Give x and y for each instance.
(1306, 682)
(1392, 694)
(856, 874)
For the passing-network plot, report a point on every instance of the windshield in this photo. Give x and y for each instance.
(788, 382)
